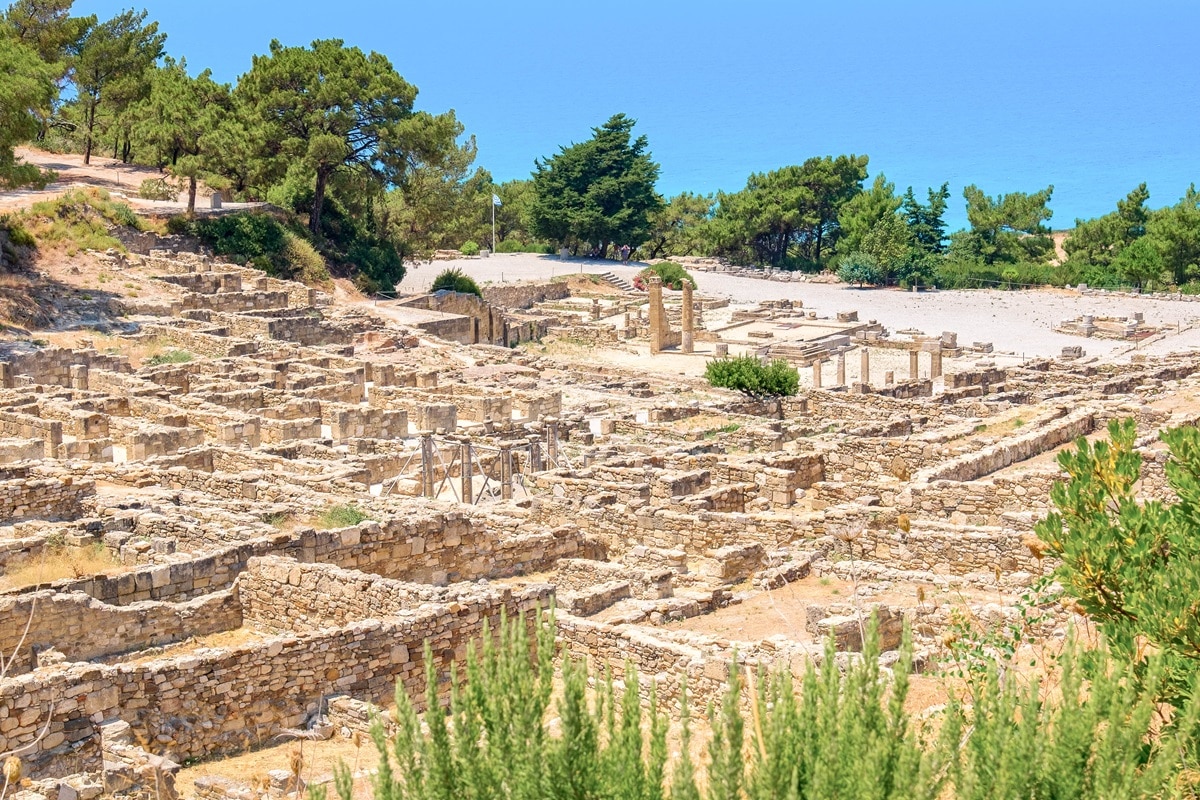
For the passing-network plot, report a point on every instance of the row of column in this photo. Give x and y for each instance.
(660, 328)
(467, 463)
(864, 372)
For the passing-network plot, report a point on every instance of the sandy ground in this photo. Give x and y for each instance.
(1017, 323)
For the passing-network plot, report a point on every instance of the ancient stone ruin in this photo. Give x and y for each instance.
(288, 517)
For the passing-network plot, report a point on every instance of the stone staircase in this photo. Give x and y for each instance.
(620, 283)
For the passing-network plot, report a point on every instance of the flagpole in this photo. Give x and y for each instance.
(493, 223)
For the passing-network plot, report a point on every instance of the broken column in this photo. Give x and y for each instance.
(687, 343)
(914, 364)
(864, 374)
(841, 369)
(657, 317)
(935, 363)
(79, 376)
(817, 373)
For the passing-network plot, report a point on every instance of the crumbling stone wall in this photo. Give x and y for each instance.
(83, 628)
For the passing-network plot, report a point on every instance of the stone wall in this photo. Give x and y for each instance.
(972, 466)
(83, 628)
(525, 295)
(227, 700)
(50, 497)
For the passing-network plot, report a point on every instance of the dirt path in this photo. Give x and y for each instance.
(121, 180)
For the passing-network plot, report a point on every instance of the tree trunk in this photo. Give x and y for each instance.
(191, 211)
(91, 126)
(603, 250)
(314, 218)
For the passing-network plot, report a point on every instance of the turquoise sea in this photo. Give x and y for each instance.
(1092, 97)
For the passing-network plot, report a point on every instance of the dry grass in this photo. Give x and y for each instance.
(319, 759)
(63, 563)
(138, 351)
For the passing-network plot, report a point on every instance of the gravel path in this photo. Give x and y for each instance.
(1020, 323)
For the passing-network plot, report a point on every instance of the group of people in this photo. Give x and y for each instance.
(623, 251)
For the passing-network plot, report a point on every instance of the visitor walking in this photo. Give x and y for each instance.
(624, 254)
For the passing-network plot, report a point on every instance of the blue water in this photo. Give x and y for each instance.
(1092, 97)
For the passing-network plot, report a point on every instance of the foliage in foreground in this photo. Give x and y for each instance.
(751, 377)
(454, 280)
(844, 734)
(261, 241)
(1133, 567)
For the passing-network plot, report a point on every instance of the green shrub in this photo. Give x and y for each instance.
(843, 733)
(748, 375)
(169, 357)
(246, 237)
(179, 225)
(671, 274)
(341, 517)
(81, 219)
(510, 246)
(157, 189)
(453, 280)
(17, 235)
(469, 248)
(304, 262)
(860, 268)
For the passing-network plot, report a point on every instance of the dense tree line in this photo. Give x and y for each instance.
(333, 135)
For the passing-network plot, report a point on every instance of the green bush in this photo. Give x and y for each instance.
(469, 248)
(842, 733)
(453, 280)
(157, 189)
(245, 238)
(510, 246)
(748, 375)
(304, 262)
(169, 357)
(860, 268)
(17, 235)
(342, 516)
(179, 225)
(671, 274)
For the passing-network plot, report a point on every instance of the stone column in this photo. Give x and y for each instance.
(914, 364)
(595, 309)
(864, 370)
(889, 378)
(935, 363)
(687, 343)
(841, 369)
(817, 373)
(6, 375)
(467, 472)
(721, 350)
(656, 316)
(535, 453)
(427, 475)
(552, 441)
(506, 491)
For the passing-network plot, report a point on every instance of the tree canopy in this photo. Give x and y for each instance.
(788, 212)
(26, 90)
(328, 108)
(600, 191)
(1009, 227)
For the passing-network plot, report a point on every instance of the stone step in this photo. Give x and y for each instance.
(618, 282)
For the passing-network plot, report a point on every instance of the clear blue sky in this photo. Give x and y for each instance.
(1092, 96)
